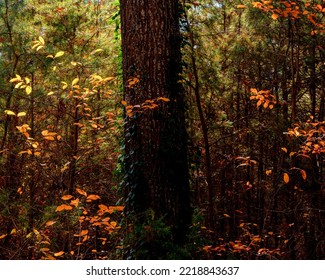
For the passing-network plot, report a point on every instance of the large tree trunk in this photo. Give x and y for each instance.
(156, 168)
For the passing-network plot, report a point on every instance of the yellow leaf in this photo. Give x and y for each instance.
(38, 48)
(64, 85)
(28, 89)
(63, 207)
(8, 112)
(16, 79)
(13, 231)
(58, 54)
(80, 191)
(75, 81)
(96, 51)
(41, 40)
(19, 84)
(50, 93)
(303, 174)
(286, 178)
(66, 197)
(27, 80)
(58, 254)
(21, 114)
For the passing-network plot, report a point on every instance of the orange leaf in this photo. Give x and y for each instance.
(80, 191)
(286, 178)
(275, 16)
(58, 254)
(116, 208)
(303, 174)
(66, 197)
(284, 149)
(50, 223)
(63, 207)
(268, 172)
(82, 233)
(75, 202)
(3, 236)
(92, 197)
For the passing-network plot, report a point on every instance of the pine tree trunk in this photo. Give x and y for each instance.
(156, 171)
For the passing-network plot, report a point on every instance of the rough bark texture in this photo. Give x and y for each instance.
(155, 139)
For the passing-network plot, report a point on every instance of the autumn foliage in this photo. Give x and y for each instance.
(253, 80)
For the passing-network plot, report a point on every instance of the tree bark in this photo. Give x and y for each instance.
(156, 170)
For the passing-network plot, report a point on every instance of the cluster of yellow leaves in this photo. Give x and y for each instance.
(38, 44)
(263, 97)
(22, 83)
(147, 105)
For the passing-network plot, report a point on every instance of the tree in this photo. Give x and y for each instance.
(156, 179)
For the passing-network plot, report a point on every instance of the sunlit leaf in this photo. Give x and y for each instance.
(58, 54)
(39, 47)
(165, 99)
(8, 112)
(75, 202)
(75, 81)
(63, 207)
(58, 254)
(80, 191)
(66, 197)
(286, 178)
(96, 51)
(28, 89)
(303, 174)
(45, 249)
(50, 138)
(92, 197)
(3, 236)
(275, 16)
(21, 114)
(284, 149)
(41, 40)
(51, 93)
(50, 223)
(241, 6)
(268, 172)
